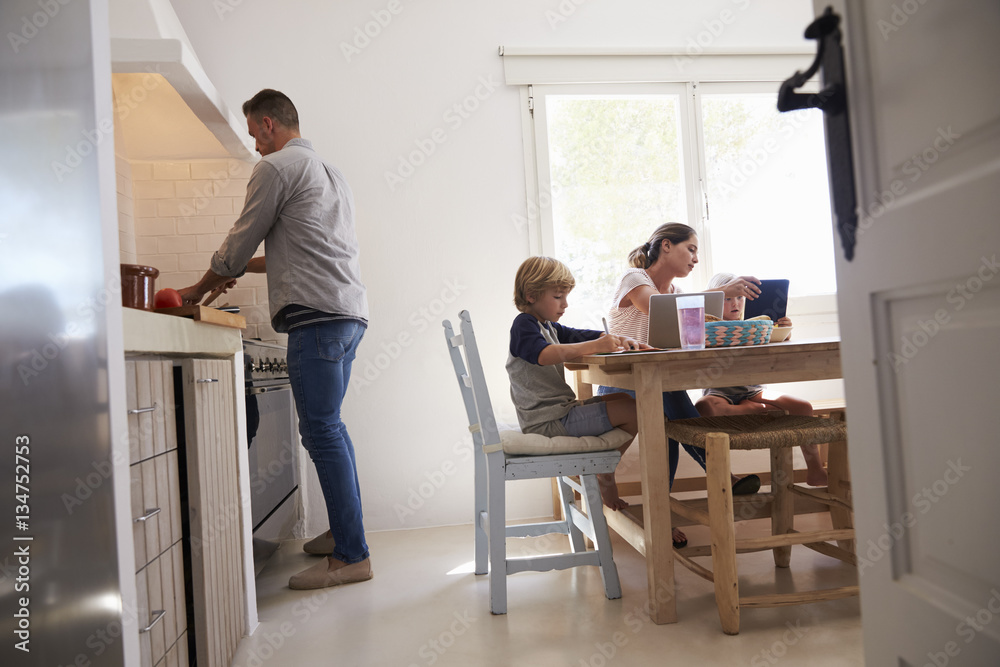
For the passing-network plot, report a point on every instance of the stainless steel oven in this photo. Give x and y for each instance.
(272, 435)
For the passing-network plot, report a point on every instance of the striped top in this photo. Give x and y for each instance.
(630, 321)
(294, 315)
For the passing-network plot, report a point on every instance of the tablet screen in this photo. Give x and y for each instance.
(773, 301)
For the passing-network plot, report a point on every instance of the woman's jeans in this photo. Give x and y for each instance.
(676, 405)
(319, 367)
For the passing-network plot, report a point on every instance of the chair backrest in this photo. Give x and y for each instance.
(472, 382)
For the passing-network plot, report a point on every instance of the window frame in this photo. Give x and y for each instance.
(540, 73)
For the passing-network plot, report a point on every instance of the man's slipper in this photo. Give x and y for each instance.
(681, 544)
(746, 486)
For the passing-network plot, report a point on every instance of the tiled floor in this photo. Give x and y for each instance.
(425, 607)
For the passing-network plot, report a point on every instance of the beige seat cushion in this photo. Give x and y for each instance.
(515, 442)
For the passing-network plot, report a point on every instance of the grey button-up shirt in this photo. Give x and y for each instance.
(303, 209)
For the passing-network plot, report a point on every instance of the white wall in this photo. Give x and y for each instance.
(442, 240)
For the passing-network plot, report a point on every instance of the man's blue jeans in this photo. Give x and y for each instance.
(676, 405)
(319, 367)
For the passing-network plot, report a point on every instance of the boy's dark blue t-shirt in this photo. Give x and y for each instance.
(527, 342)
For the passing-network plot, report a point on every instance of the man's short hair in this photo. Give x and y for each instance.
(273, 104)
(537, 274)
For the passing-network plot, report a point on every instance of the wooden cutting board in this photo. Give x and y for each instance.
(209, 315)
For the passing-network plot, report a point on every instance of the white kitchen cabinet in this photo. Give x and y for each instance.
(215, 509)
(203, 451)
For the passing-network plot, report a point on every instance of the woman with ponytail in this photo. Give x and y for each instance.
(671, 252)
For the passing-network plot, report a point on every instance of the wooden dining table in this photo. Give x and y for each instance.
(649, 374)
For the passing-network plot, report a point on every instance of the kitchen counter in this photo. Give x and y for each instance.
(155, 333)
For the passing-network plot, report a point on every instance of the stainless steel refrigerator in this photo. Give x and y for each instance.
(60, 339)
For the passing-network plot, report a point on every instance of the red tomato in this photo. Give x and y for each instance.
(168, 298)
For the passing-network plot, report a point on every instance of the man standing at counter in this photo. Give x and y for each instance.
(303, 208)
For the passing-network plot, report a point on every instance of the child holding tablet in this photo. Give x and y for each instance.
(749, 398)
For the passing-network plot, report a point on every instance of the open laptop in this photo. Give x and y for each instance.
(663, 329)
(773, 301)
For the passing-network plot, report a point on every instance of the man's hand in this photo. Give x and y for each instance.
(194, 294)
(218, 291)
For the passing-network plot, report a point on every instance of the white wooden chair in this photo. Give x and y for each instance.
(561, 457)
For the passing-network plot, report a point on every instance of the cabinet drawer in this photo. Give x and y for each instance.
(143, 617)
(149, 387)
(177, 655)
(161, 609)
(154, 486)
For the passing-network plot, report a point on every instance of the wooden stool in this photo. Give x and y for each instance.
(778, 433)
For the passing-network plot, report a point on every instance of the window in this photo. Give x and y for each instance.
(616, 168)
(766, 185)
(614, 160)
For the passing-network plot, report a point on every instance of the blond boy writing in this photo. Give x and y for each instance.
(538, 347)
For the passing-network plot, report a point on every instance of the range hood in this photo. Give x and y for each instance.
(165, 104)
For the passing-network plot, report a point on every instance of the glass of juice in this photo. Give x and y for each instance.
(691, 321)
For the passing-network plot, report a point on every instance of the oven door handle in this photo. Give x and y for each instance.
(260, 390)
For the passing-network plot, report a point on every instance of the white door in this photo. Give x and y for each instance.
(920, 324)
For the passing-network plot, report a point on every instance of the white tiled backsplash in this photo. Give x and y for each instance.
(181, 212)
(126, 211)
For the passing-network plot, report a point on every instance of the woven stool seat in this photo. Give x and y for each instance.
(763, 431)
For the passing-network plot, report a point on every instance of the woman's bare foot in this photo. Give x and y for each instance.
(678, 537)
(609, 492)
